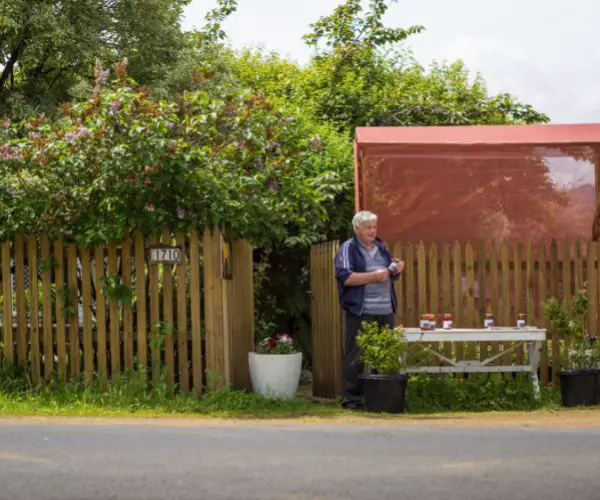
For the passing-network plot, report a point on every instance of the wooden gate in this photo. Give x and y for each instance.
(75, 312)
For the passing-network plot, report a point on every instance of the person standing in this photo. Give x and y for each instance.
(365, 272)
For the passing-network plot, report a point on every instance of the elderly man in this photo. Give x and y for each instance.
(365, 272)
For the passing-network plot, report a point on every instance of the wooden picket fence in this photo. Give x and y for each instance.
(467, 281)
(80, 313)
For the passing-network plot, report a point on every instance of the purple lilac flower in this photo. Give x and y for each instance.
(116, 104)
(274, 186)
(70, 136)
(315, 143)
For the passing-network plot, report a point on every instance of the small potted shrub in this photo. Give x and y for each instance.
(383, 350)
(275, 367)
(580, 379)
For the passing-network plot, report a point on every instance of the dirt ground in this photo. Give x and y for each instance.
(560, 419)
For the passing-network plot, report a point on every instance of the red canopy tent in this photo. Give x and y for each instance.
(441, 184)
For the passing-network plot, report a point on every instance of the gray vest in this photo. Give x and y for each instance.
(378, 296)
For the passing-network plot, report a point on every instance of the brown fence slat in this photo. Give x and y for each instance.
(446, 292)
(168, 313)
(86, 297)
(409, 277)
(182, 327)
(579, 263)
(242, 317)
(113, 314)
(484, 305)
(541, 318)
(422, 279)
(530, 284)
(34, 315)
(213, 308)
(195, 313)
(506, 306)
(494, 295)
(518, 301)
(20, 299)
(154, 314)
(398, 253)
(7, 303)
(434, 292)
(592, 278)
(567, 278)
(127, 310)
(331, 337)
(47, 306)
(100, 315)
(61, 348)
(141, 301)
(73, 295)
(337, 323)
(458, 297)
(470, 315)
(554, 289)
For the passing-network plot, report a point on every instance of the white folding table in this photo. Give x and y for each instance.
(530, 336)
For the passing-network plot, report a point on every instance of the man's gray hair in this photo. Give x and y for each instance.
(361, 218)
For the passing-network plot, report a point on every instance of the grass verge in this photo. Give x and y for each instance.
(130, 395)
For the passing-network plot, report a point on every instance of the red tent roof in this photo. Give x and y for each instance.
(530, 135)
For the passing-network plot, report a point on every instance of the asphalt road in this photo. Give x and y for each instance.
(325, 461)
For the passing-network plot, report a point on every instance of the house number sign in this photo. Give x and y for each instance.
(165, 255)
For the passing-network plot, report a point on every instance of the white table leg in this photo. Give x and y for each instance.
(534, 349)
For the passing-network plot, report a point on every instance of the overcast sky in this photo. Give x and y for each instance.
(547, 52)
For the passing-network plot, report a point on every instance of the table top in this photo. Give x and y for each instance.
(496, 334)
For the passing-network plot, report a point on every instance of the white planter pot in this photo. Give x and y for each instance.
(275, 375)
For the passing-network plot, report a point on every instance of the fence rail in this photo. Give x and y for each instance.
(75, 312)
(468, 281)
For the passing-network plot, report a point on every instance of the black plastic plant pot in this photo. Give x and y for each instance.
(385, 393)
(580, 387)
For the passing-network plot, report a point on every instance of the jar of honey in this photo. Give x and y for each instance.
(424, 324)
(521, 322)
(489, 320)
(431, 319)
(447, 321)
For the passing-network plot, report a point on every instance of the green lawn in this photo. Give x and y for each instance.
(131, 395)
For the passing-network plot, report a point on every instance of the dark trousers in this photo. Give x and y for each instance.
(352, 367)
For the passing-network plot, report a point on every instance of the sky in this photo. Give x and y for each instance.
(546, 52)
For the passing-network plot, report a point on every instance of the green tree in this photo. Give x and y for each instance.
(48, 49)
(362, 75)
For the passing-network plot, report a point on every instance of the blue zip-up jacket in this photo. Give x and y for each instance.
(349, 260)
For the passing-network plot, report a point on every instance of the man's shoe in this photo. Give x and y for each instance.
(353, 405)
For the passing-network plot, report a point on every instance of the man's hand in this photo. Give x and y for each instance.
(400, 264)
(381, 275)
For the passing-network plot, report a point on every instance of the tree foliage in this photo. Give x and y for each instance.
(48, 49)
(219, 155)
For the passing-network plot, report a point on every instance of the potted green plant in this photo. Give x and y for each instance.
(580, 378)
(383, 350)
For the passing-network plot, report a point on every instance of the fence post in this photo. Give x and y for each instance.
(241, 313)
(326, 322)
